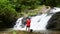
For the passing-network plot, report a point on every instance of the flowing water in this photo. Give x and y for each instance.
(38, 22)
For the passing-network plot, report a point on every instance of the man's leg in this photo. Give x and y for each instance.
(28, 29)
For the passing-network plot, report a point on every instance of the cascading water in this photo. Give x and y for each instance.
(38, 22)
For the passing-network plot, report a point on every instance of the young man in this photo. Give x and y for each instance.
(28, 21)
(24, 22)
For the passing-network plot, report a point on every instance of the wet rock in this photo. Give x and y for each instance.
(54, 22)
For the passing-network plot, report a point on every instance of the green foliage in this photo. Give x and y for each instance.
(52, 3)
(10, 9)
(14, 32)
(7, 14)
(22, 5)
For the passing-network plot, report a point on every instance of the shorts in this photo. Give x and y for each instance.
(28, 26)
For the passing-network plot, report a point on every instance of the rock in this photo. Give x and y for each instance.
(54, 22)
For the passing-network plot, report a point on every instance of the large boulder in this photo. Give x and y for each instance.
(54, 22)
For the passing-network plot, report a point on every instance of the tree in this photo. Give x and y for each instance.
(51, 3)
(22, 5)
(7, 14)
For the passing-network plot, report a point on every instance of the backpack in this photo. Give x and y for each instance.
(24, 21)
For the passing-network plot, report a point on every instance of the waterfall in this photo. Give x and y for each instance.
(38, 22)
